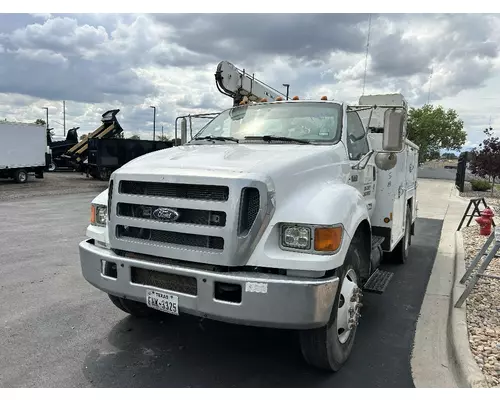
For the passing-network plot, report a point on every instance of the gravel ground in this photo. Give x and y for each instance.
(488, 196)
(483, 310)
(52, 184)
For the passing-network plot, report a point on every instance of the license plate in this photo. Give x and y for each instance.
(160, 301)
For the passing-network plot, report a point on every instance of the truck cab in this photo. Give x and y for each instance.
(273, 215)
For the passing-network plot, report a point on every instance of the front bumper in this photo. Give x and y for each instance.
(266, 300)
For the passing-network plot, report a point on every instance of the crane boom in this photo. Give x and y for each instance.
(237, 84)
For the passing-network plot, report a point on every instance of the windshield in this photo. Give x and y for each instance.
(314, 122)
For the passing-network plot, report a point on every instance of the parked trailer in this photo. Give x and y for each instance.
(107, 155)
(23, 150)
(110, 128)
(60, 147)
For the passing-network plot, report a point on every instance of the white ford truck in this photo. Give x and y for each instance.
(276, 214)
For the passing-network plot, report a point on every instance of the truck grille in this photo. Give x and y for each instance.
(177, 238)
(186, 215)
(175, 190)
(216, 223)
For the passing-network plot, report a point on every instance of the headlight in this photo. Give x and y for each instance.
(296, 237)
(318, 239)
(98, 214)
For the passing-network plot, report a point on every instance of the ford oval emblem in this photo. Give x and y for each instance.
(166, 214)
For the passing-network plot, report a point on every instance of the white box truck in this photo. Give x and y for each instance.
(23, 149)
(276, 214)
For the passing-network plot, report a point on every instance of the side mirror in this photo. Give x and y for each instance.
(393, 130)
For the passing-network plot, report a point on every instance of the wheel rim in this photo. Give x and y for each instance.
(22, 176)
(52, 167)
(348, 311)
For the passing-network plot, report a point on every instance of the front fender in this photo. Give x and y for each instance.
(101, 198)
(326, 204)
(99, 233)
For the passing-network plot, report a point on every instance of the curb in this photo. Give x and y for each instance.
(467, 370)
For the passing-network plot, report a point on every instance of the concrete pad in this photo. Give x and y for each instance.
(430, 362)
(441, 279)
(441, 355)
(433, 197)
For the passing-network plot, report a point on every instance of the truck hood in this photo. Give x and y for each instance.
(272, 160)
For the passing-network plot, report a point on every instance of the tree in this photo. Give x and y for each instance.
(40, 122)
(135, 137)
(434, 129)
(449, 156)
(485, 162)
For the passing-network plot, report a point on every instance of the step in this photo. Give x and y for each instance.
(378, 281)
(377, 240)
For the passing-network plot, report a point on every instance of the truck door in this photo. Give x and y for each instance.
(364, 180)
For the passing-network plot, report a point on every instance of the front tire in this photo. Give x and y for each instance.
(329, 347)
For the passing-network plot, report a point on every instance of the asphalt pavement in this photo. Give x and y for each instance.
(59, 331)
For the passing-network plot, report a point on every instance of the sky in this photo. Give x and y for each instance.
(98, 62)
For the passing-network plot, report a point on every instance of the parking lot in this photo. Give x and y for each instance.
(59, 331)
(53, 184)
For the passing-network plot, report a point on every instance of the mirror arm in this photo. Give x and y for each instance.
(367, 156)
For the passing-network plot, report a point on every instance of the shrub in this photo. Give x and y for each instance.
(480, 185)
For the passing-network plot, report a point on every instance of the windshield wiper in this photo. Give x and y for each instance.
(269, 138)
(221, 138)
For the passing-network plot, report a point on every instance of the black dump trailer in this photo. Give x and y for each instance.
(107, 155)
(60, 147)
(77, 155)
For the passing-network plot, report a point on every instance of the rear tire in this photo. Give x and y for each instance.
(402, 249)
(132, 307)
(21, 176)
(52, 167)
(329, 347)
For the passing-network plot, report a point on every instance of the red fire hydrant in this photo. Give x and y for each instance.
(485, 221)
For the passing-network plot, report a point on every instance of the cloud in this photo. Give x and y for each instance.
(98, 62)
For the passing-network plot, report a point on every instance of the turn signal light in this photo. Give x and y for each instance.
(295, 98)
(279, 98)
(264, 100)
(327, 239)
(324, 98)
(92, 214)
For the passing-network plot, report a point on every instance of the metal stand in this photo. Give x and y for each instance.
(480, 273)
(475, 212)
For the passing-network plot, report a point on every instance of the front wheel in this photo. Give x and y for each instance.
(329, 347)
(21, 176)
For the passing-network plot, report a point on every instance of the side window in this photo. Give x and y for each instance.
(357, 143)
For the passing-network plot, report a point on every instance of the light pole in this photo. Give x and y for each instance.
(154, 122)
(64, 116)
(287, 85)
